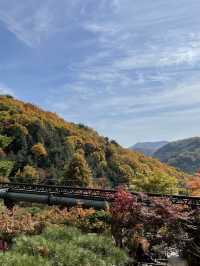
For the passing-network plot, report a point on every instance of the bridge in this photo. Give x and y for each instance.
(12, 193)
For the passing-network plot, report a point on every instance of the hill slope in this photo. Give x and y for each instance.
(148, 148)
(38, 146)
(183, 154)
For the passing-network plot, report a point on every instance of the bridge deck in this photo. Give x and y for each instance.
(88, 193)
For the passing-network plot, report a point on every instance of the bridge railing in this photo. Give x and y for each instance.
(92, 193)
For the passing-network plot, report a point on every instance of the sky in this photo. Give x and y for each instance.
(128, 68)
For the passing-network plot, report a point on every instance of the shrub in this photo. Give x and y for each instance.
(97, 222)
(15, 259)
(66, 246)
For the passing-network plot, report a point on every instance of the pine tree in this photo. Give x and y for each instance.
(79, 171)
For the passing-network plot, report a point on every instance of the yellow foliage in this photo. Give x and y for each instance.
(156, 183)
(28, 174)
(39, 150)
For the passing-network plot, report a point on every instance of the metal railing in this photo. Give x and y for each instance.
(91, 193)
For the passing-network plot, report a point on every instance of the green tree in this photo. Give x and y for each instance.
(4, 141)
(5, 169)
(155, 183)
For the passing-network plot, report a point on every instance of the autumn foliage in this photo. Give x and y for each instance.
(59, 151)
(39, 150)
(17, 222)
(193, 184)
(137, 218)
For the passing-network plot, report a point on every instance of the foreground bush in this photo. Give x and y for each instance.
(63, 246)
(15, 259)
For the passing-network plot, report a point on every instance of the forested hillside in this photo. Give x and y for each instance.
(183, 154)
(38, 146)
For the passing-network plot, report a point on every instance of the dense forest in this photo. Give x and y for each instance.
(182, 154)
(38, 146)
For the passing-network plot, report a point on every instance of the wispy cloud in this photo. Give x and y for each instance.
(130, 64)
(32, 23)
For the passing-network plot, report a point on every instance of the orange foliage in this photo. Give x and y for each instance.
(193, 184)
(39, 150)
(16, 223)
(58, 216)
(20, 220)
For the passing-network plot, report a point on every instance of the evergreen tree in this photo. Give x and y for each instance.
(79, 171)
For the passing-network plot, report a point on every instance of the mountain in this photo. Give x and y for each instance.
(148, 148)
(38, 146)
(182, 154)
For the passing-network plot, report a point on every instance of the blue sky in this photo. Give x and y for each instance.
(128, 68)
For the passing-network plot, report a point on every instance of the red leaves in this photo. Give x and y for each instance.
(124, 202)
(133, 215)
(126, 217)
(169, 213)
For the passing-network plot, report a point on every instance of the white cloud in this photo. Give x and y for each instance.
(159, 58)
(101, 28)
(4, 90)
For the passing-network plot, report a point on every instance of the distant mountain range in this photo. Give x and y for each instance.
(148, 148)
(182, 154)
